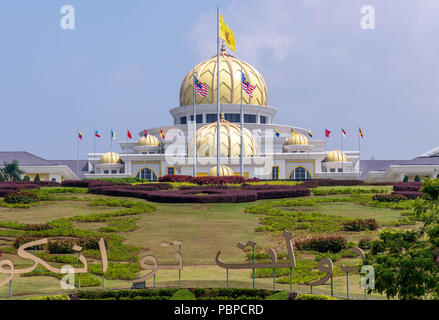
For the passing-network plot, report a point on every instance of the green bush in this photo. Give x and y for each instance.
(360, 225)
(61, 246)
(53, 297)
(183, 294)
(305, 296)
(282, 295)
(364, 243)
(19, 241)
(21, 198)
(417, 179)
(332, 244)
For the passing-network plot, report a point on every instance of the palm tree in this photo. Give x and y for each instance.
(12, 171)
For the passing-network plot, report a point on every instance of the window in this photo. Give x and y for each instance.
(147, 174)
(171, 170)
(199, 118)
(340, 170)
(275, 173)
(263, 119)
(250, 118)
(183, 120)
(233, 117)
(106, 171)
(121, 171)
(300, 173)
(211, 117)
(332, 170)
(113, 171)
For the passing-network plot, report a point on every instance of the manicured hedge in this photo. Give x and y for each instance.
(412, 195)
(407, 186)
(332, 244)
(21, 197)
(331, 183)
(207, 180)
(394, 197)
(360, 225)
(160, 192)
(11, 187)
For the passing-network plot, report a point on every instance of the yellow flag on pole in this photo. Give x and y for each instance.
(226, 34)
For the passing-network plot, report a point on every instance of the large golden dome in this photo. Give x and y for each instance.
(110, 158)
(297, 139)
(230, 82)
(224, 171)
(230, 141)
(336, 156)
(149, 140)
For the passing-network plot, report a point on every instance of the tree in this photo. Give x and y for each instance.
(417, 178)
(26, 178)
(406, 178)
(37, 177)
(407, 263)
(12, 171)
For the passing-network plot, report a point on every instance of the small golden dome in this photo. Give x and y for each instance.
(297, 138)
(230, 86)
(224, 171)
(110, 158)
(336, 156)
(149, 140)
(230, 141)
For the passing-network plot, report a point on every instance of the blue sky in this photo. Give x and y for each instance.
(123, 65)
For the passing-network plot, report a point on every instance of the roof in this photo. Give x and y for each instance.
(24, 158)
(375, 165)
(27, 159)
(73, 165)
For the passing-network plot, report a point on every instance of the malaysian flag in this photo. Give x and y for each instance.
(247, 87)
(200, 87)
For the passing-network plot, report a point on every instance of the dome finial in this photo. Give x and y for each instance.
(223, 47)
(222, 116)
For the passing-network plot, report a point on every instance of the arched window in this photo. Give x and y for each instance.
(147, 174)
(300, 173)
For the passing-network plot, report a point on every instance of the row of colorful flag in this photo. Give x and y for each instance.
(327, 133)
(113, 134)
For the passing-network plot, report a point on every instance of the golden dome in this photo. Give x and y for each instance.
(224, 171)
(110, 158)
(336, 156)
(297, 138)
(230, 86)
(230, 141)
(149, 140)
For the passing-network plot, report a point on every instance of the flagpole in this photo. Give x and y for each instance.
(242, 125)
(195, 127)
(77, 152)
(94, 150)
(342, 150)
(217, 96)
(324, 159)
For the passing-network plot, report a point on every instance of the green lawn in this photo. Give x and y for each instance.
(204, 229)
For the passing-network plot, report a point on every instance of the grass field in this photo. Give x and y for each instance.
(204, 230)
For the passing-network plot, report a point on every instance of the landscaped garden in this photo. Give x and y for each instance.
(327, 219)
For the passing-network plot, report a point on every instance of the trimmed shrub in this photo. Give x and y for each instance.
(417, 179)
(61, 246)
(360, 225)
(407, 186)
(332, 244)
(365, 243)
(183, 294)
(411, 195)
(19, 241)
(394, 197)
(405, 179)
(21, 197)
(37, 227)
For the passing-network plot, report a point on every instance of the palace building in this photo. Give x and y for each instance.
(288, 155)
